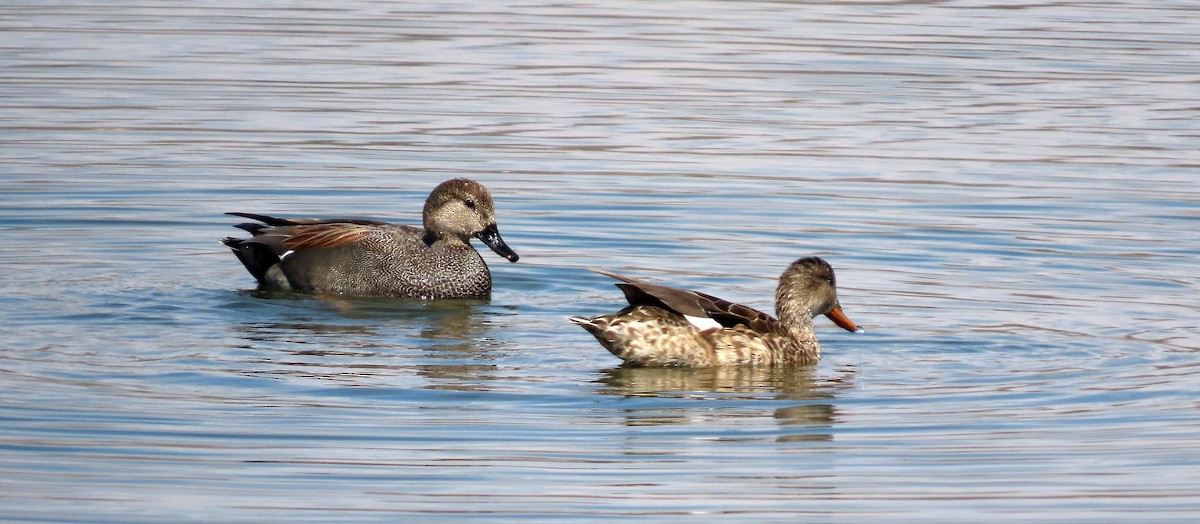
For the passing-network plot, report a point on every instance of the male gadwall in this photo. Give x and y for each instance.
(368, 258)
(665, 326)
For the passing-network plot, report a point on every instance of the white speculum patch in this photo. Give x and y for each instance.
(703, 323)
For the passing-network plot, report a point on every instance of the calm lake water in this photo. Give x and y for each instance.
(1010, 194)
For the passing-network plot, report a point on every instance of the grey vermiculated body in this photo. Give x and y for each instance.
(369, 267)
(376, 259)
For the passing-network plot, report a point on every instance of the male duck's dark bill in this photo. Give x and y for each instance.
(840, 318)
(491, 237)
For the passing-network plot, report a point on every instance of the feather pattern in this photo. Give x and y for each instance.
(660, 326)
(358, 257)
(326, 235)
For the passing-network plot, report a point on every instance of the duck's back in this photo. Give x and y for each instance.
(391, 260)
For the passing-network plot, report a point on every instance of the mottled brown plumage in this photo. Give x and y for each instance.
(665, 326)
(368, 258)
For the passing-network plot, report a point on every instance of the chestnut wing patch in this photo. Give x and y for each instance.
(326, 235)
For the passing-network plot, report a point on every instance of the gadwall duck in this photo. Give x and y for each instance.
(368, 258)
(665, 326)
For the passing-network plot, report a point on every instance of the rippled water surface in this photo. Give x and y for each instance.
(1009, 193)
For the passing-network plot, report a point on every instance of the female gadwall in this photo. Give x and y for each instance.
(368, 258)
(664, 326)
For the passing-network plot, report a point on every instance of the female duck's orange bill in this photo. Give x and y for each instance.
(842, 320)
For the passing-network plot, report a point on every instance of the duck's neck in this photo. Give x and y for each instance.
(793, 310)
(430, 239)
(794, 314)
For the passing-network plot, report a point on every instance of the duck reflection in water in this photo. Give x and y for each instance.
(353, 340)
(719, 390)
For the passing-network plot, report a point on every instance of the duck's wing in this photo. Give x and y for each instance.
(694, 305)
(268, 220)
(280, 222)
(325, 235)
(290, 234)
(730, 314)
(282, 239)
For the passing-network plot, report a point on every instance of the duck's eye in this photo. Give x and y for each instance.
(470, 204)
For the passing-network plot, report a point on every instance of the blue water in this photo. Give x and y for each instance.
(1008, 193)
